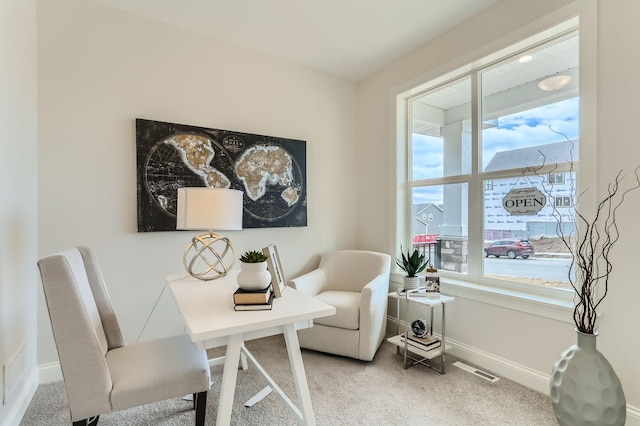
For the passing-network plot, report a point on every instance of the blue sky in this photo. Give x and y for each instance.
(520, 130)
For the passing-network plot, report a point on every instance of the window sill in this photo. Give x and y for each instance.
(521, 301)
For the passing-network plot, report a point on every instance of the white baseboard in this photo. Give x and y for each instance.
(50, 372)
(502, 367)
(518, 373)
(22, 400)
(633, 416)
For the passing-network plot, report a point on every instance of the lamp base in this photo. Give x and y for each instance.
(209, 256)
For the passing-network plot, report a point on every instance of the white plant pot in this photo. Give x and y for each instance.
(253, 276)
(411, 282)
(584, 388)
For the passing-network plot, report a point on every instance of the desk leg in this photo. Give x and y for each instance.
(229, 376)
(243, 360)
(295, 358)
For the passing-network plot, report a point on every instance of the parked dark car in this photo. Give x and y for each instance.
(509, 248)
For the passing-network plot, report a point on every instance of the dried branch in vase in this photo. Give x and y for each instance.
(591, 247)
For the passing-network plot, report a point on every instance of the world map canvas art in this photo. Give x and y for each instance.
(271, 171)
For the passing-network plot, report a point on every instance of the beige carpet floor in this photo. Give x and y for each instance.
(343, 391)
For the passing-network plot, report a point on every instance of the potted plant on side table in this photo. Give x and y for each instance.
(253, 273)
(412, 263)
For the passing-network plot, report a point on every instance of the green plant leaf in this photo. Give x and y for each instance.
(412, 263)
(253, 256)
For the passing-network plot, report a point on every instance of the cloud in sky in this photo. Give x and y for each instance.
(427, 157)
(520, 130)
(428, 194)
(531, 128)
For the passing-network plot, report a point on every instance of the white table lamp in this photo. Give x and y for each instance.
(209, 255)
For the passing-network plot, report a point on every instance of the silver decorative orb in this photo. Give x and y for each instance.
(209, 256)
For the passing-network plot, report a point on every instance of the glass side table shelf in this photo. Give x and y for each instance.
(413, 353)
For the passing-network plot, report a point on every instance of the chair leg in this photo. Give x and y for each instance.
(92, 421)
(194, 401)
(201, 407)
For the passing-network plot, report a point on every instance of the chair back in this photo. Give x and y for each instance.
(84, 327)
(351, 270)
(102, 299)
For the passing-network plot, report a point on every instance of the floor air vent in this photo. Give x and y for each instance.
(477, 372)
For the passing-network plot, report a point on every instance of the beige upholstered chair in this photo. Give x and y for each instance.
(101, 374)
(356, 283)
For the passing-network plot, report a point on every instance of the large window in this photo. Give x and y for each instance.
(484, 139)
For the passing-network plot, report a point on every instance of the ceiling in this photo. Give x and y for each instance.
(559, 57)
(508, 86)
(348, 38)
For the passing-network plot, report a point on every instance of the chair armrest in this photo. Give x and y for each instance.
(310, 283)
(375, 293)
(373, 315)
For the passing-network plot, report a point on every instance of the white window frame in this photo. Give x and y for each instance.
(549, 303)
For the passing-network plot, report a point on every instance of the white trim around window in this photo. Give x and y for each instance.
(549, 303)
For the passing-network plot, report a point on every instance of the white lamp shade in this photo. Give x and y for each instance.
(209, 209)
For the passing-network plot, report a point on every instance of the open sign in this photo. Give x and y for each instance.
(524, 201)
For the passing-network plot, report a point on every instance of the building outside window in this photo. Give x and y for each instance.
(525, 136)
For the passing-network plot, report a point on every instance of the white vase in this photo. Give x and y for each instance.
(411, 282)
(253, 276)
(584, 388)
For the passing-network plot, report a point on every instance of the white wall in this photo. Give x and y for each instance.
(618, 148)
(18, 197)
(99, 69)
(523, 345)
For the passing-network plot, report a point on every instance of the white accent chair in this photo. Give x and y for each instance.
(356, 283)
(101, 374)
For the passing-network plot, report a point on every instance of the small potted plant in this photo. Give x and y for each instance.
(253, 273)
(412, 264)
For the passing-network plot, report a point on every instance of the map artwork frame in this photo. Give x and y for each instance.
(270, 171)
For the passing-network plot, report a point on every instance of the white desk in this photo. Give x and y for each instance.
(207, 309)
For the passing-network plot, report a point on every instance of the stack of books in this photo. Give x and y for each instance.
(254, 300)
(425, 343)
